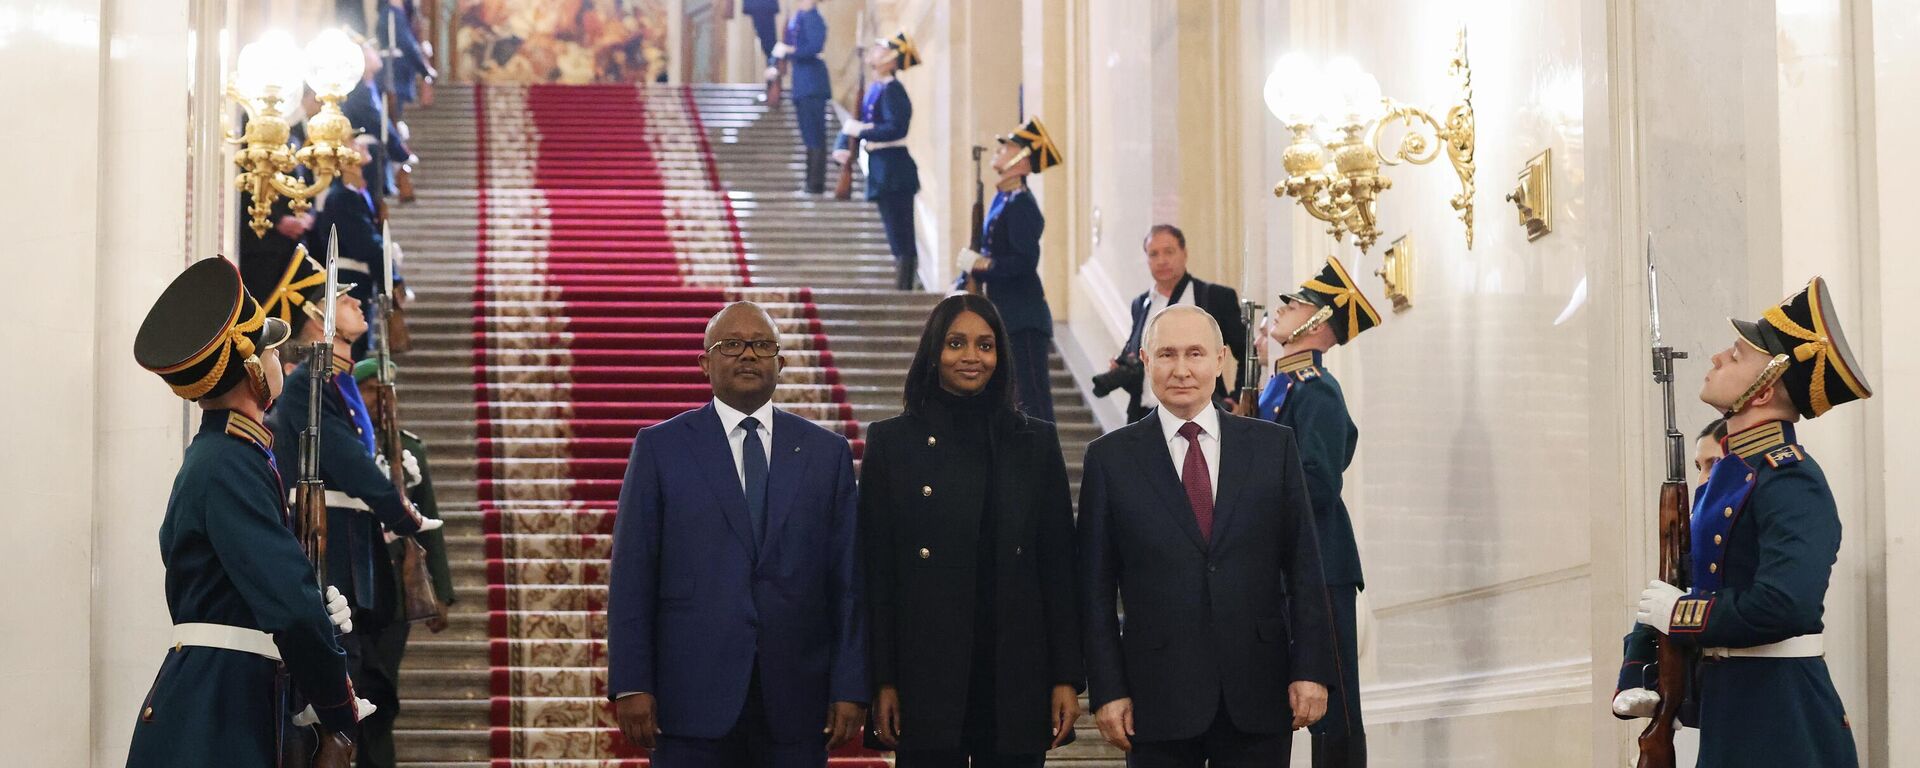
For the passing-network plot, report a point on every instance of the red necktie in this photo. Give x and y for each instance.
(1194, 477)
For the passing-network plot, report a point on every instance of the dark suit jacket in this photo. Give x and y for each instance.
(1220, 301)
(891, 170)
(694, 601)
(1240, 617)
(923, 604)
(1012, 239)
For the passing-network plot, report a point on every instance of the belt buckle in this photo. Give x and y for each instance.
(1717, 654)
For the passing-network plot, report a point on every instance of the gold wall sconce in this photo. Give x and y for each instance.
(1534, 196)
(267, 81)
(1397, 273)
(1339, 181)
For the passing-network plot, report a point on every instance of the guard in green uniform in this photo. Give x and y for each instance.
(247, 612)
(360, 496)
(1765, 535)
(1303, 395)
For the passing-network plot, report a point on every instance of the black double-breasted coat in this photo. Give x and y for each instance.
(920, 527)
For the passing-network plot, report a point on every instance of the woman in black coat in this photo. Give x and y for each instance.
(967, 526)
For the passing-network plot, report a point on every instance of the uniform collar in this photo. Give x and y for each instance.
(239, 425)
(1757, 440)
(1298, 361)
(342, 364)
(1208, 419)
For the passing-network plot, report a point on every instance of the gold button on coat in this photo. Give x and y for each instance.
(1729, 512)
(1713, 568)
(926, 490)
(925, 553)
(930, 440)
(1716, 539)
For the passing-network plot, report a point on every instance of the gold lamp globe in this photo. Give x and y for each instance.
(269, 74)
(335, 64)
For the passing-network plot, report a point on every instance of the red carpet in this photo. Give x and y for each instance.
(605, 244)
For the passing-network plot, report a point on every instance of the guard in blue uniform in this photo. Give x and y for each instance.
(1009, 271)
(247, 613)
(892, 176)
(1328, 309)
(762, 12)
(806, 34)
(361, 499)
(1765, 536)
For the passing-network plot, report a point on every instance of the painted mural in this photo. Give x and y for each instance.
(560, 41)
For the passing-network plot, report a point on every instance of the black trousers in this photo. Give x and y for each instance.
(959, 758)
(1340, 738)
(373, 663)
(749, 745)
(763, 28)
(896, 214)
(1033, 377)
(1221, 746)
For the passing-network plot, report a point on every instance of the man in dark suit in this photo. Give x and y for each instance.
(735, 632)
(1166, 248)
(1226, 647)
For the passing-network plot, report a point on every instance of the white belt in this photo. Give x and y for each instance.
(228, 638)
(354, 264)
(873, 145)
(1802, 647)
(334, 499)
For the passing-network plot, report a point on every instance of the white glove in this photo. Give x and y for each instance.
(782, 50)
(852, 127)
(842, 156)
(1656, 605)
(412, 466)
(1636, 702)
(965, 258)
(431, 524)
(771, 73)
(338, 611)
(361, 708)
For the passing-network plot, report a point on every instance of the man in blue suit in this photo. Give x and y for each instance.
(806, 35)
(734, 627)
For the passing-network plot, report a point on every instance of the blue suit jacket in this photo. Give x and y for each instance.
(695, 601)
(890, 171)
(1012, 241)
(807, 33)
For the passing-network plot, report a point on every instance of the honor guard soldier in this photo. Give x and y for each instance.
(892, 176)
(1008, 270)
(1765, 535)
(360, 496)
(1327, 310)
(247, 613)
(812, 87)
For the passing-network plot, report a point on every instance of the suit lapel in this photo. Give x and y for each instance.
(1235, 462)
(783, 473)
(714, 456)
(1164, 478)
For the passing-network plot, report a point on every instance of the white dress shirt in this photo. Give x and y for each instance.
(1209, 421)
(737, 435)
(1157, 301)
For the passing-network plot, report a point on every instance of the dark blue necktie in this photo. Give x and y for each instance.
(753, 463)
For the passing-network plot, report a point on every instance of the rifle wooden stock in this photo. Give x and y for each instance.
(977, 240)
(416, 583)
(843, 186)
(773, 83)
(1676, 665)
(310, 515)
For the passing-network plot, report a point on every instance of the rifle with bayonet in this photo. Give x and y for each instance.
(1675, 663)
(416, 583)
(977, 240)
(843, 184)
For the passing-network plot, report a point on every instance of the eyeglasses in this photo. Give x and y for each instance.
(736, 347)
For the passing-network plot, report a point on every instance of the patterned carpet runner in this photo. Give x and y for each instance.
(606, 242)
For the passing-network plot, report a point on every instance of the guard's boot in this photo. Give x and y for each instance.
(816, 172)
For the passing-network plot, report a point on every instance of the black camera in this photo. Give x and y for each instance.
(1129, 374)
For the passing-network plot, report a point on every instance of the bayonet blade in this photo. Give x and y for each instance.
(1653, 292)
(333, 283)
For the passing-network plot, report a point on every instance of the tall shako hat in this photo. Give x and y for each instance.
(1334, 289)
(903, 50)
(290, 290)
(1036, 145)
(203, 329)
(1811, 354)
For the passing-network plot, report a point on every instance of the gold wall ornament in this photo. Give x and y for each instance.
(1397, 273)
(1534, 196)
(270, 77)
(1340, 182)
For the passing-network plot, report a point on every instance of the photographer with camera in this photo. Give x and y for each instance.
(1166, 249)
